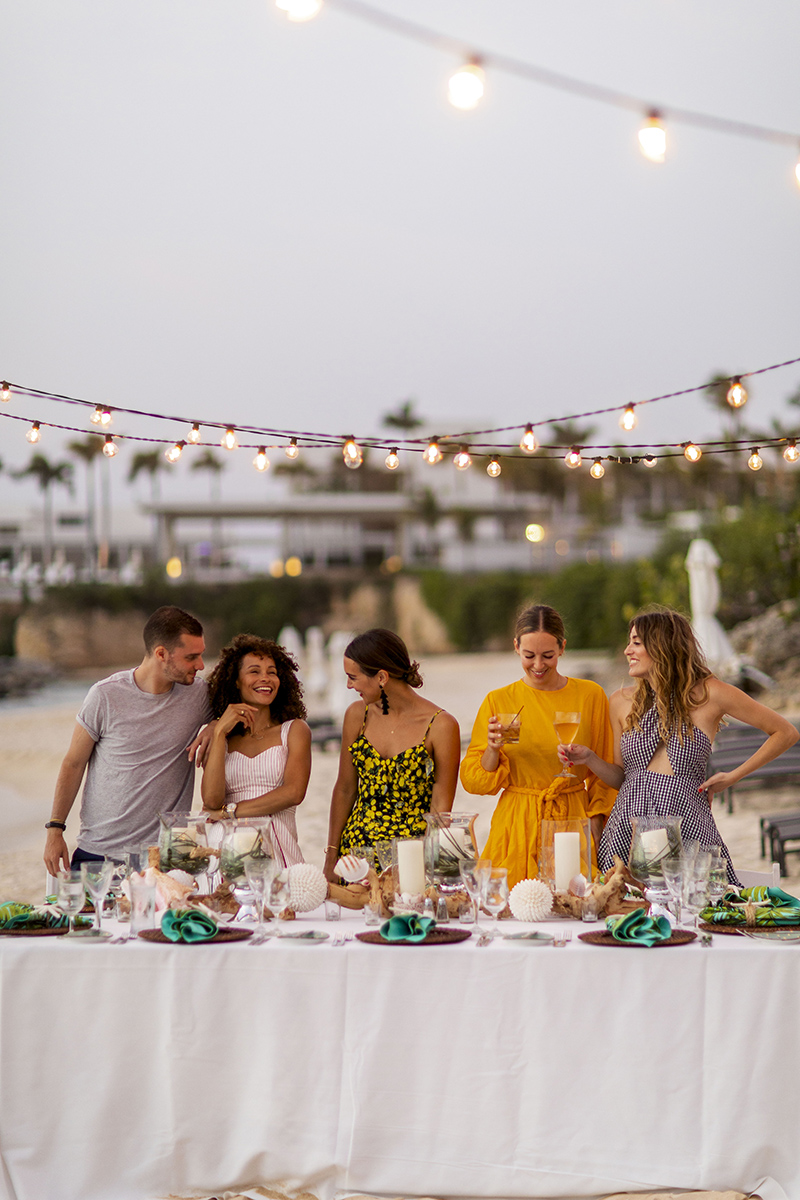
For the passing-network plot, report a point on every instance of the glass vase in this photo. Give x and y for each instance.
(653, 839)
(182, 843)
(566, 851)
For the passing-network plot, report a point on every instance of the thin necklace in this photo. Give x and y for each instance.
(259, 737)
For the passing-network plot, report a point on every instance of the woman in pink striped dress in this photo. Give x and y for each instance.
(259, 760)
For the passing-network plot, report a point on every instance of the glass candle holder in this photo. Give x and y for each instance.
(449, 840)
(566, 851)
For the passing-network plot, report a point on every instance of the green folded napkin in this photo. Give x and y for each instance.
(775, 907)
(638, 928)
(407, 928)
(14, 915)
(188, 925)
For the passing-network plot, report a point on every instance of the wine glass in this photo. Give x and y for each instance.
(383, 853)
(673, 878)
(474, 873)
(96, 877)
(694, 892)
(259, 873)
(279, 895)
(717, 876)
(566, 725)
(71, 896)
(495, 896)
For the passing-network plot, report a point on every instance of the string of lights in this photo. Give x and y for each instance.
(467, 85)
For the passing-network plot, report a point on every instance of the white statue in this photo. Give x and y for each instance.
(315, 678)
(702, 563)
(339, 698)
(292, 643)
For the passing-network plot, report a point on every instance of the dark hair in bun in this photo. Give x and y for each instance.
(382, 650)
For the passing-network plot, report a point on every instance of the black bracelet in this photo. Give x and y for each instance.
(56, 825)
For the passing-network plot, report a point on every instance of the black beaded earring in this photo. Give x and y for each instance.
(384, 702)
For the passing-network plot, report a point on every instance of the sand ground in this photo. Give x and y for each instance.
(35, 733)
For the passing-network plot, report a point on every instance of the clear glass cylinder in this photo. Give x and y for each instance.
(243, 838)
(182, 843)
(450, 838)
(653, 839)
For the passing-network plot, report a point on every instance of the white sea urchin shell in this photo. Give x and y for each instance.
(308, 887)
(530, 900)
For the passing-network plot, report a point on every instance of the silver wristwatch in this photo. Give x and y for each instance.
(230, 809)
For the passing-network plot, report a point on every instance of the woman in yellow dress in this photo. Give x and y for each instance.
(527, 771)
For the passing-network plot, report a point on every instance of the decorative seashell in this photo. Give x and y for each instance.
(530, 900)
(308, 887)
(352, 869)
(578, 885)
(182, 877)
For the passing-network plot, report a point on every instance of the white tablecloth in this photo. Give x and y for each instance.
(136, 1072)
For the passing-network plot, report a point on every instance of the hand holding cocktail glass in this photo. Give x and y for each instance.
(566, 725)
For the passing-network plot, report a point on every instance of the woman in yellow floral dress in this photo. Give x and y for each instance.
(527, 772)
(400, 753)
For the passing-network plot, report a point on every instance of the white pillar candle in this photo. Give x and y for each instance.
(411, 866)
(654, 843)
(567, 855)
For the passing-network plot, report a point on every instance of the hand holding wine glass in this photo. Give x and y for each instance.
(566, 725)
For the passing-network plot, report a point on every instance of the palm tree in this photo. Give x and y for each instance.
(87, 451)
(208, 461)
(151, 461)
(47, 474)
(403, 418)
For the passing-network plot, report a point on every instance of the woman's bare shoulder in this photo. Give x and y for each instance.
(621, 700)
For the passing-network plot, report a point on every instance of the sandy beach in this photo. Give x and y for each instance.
(35, 733)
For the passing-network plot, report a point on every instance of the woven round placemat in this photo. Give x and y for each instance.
(437, 937)
(602, 937)
(33, 932)
(707, 927)
(222, 935)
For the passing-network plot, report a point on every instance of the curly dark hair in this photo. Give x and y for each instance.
(223, 686)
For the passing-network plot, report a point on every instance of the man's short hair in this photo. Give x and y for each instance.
(167, 626)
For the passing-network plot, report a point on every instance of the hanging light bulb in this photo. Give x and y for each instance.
(228, 440)
(105, 418)
(462, 460)
(194, 434)
(299, 10)
(261, 462)
(466, 86)
(628, 420)
(494, 469)
(691, 452)
(97, 415)
(573, 458)
(5, 392)
(173, 454)
(292, 450)
(791, 453)
(34, 434)
(737, 394)
(432, 454)
(649, 460)
(392, 459)
(109, 446)
(528, 443)
(755, 462)
(597, 470)
(653, 138)
(352, 454)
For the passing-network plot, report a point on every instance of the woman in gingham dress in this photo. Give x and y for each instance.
(663, 732)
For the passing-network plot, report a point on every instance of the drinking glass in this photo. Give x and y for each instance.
(495, 896)
(509, 727)
(694, 892)
(717, 876)
(71, 896)
(474, 873)
(259, 872)
(367, 852)
(97, 880)
(566, 725)
(383, 852)
(143, 903)
(672, 869)
(279, 895)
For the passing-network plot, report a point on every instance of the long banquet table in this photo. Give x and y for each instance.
(141, 1071)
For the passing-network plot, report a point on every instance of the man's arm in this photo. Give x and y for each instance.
(69, 780)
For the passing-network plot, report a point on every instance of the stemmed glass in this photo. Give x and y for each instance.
(718, 876)
(673, 879)
(96, 877)
(383, 853)
(259, 873)
(495, 896)
(566, 725)
(279, 896)
(474, 874)
(694, 892)
(71, 896)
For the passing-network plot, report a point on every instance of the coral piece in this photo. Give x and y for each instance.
(353, 896)
(530, 900)
(170, 893)
(222, 900)
(607, 894)
(308, 887)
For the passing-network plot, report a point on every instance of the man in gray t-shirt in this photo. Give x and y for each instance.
(131, 740)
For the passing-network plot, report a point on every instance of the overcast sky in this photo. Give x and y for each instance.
(211, 211)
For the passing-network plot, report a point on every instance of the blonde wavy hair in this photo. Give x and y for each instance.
(679, 669)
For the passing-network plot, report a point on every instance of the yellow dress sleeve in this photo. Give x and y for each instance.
(601, 796)
(474, 778)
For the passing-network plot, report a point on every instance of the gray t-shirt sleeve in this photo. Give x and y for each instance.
(93, 713)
